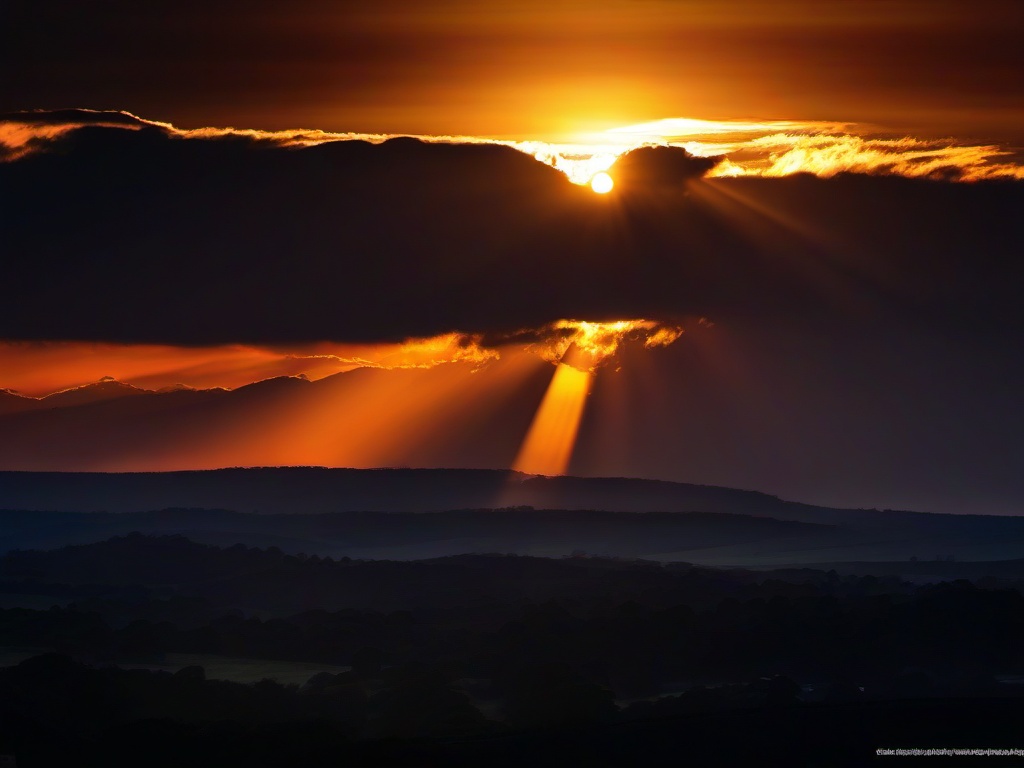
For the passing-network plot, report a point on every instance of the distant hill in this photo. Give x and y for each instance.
(309, 490)
(380, 514)
(412, 535)
(13, 402)
(105, 389)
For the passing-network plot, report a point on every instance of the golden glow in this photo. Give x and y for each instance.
(37, 369)
(422, 402)
(747, 147)
(828, 155)
(370, 419)
(41, 368)
(689, 127)
(579, 162)
(579, 347)
(602, 183)
(423, 417)
(588, 345)
(548, 446)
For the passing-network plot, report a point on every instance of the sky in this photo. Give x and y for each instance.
(523, 69)
(805, 279)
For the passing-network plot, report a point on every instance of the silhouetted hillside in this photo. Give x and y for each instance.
(406, 535)
(101, 391)
(12, 402)
(313, 510)
(270, 580)
(316, 490)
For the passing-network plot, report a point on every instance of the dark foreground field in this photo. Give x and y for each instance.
(306, 617)
(498, 660)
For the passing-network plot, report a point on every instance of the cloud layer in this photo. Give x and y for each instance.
(726, 148)
(149, 235)
(865, 347)
(784, 147)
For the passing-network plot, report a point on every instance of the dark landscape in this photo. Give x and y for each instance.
(492, 636)
(501, 383)
(407, 514)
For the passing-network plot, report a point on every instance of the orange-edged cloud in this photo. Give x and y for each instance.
(831, 154)
(322, 403)
(776, 148)
(785, 147)
(589, 345)
(746, 147)
(37, 369)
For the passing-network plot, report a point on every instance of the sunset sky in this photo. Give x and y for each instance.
(524, 69)
(806, 282)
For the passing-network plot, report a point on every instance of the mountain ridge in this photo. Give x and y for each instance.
(416, 513)
(384, 489)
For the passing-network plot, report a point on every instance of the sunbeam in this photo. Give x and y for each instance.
(548, 446)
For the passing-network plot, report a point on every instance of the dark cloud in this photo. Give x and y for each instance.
(647, 167)
(74, 117)
(143, 235)
(867, 330)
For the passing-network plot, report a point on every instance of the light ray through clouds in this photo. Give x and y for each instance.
(549, 443)
(578, 348)
(382, 405)
(37, 369)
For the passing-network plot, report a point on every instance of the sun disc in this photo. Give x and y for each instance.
(601, 183)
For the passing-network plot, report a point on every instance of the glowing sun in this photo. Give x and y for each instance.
(601, 183)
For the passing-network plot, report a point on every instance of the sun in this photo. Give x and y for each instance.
(601, 183)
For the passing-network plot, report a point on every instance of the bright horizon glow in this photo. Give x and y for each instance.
(747, 147)
(678, 127)
(602, 183)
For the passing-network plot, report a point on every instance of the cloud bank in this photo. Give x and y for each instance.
(865, 349)
(784, 147)
(723, 148)
(151, 235)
